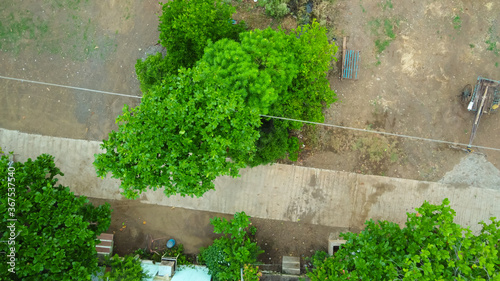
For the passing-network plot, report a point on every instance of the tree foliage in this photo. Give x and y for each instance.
(304, 98)
(233, 251)
(430, 247)
(203, 122)
(259, 69)
(127, 268)
(179, 137)
(56, 230)
(187, 25)
(310, 92)
(275, 8)
(279, 74)
(151, 71)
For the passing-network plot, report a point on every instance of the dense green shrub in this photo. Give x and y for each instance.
(127, 268)
(430, 247)
(306, 96)
(280, 75)
(189, 123)
(151, 71)
(187, 25)
(233, 251)
(56, 231)
(275, 8)
(310, 91)
(185, 28)
(274, 143)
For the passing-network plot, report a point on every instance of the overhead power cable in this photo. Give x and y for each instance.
(269, 116)
(69, 87)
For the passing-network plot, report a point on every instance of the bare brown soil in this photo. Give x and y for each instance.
(135, 224)
(409, 88)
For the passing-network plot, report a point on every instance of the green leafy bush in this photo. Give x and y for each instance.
(233, 251)
(124, 269)
(275, 143)
(56, 230)
(305, 97)
(151, 71)
(275, 8)
(310, 91)
(251, 273)
(280, 75)
(430, 247)
(187, 25)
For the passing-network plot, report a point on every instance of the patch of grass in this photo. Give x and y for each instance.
(383, 30)
(472, 46)
(68, 32)
(67, 4)
(18, 28)
(496, 64)
(311, 135)
(381, 45)
(362, 8)
(377, 149)
(394, 157)
(389, 28)
(492, 41)
(373, 147)
(492, 46)
(374, 26)
(128, 14)
(387, 5)
(457, 22)
(377, 105)
(376, 101)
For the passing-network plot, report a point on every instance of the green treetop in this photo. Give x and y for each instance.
(430, 247)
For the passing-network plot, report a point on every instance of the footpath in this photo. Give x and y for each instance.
(280, 192)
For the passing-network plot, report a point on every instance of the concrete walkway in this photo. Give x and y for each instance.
(279, 192)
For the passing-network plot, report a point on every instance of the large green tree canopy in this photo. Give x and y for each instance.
(205, 120)
(179, 137)
(430, 247)
(56, 230)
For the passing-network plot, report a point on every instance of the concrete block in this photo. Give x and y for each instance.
(291, 265)
(166, 268)
(334, 243)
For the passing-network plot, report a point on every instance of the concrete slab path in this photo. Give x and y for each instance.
(280, 192)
